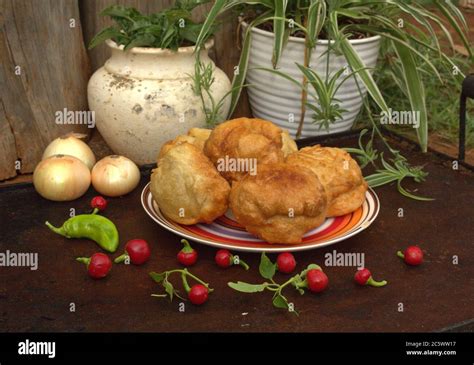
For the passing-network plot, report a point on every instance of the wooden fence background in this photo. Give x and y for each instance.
(46, 66)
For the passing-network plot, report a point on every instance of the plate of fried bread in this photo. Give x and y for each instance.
(245, 186)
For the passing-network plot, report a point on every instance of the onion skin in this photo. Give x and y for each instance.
(115, 176)
(61, 178)
(71, 146)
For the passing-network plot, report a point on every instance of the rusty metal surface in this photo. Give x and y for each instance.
(437, 295)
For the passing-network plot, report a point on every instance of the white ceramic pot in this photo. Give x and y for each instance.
(277, 99)
(143, 97)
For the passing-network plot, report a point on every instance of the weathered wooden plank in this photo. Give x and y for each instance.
(37, 36)
(7, 148)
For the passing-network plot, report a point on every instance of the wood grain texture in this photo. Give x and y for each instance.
(225, 53)
(36, 35)
(7, 148)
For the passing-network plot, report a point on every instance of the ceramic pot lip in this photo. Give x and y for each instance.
(268, 34)
(159, 51)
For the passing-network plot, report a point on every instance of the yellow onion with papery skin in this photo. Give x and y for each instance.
(115, 176)
(71, 145)
(61, 178)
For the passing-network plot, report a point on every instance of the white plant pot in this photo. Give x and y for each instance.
(279, 100)
(144, 97)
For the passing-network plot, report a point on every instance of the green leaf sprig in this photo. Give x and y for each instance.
(267, 270)
(169, 29)
(171, 292)
(203, 80)
(396, 171)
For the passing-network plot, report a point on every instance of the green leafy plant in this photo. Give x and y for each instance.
(267, 270)
(169, 29)
(397, 171)
(171, 292)
(442, 102)
(323, 100)
(342, 20)
(203, 79)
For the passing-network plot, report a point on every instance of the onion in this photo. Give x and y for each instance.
(71, 145)
(61, 178)
(115, 175)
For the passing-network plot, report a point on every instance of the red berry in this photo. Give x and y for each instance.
(317, 280)
(138, 251)
(362, 276)
(223, 258)
(99, 265)
(286, 262)
(187, 259)
(99, 202)
(188, 255)
(413, 256)
(198, 294)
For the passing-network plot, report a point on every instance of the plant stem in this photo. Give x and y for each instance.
(121, 258)
(84, 260)
(372, 282)
(304, 93)
(191, 276)
(187, 247)
(240, 262)
(55, 229)
(374, 125)
(288, 282)
(185, 282)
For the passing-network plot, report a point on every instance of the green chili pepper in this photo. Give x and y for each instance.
(92, 226)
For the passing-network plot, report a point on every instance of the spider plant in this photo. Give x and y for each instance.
(396, 171)
(323, 100)
(342, 20)
(203, 79)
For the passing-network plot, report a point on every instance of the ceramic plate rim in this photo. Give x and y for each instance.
(279, 248)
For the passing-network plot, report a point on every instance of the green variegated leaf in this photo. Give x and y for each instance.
(218, 7)
(416, 92)
(279, 25)
(380, 179)
(316, 18)
(356, 63)
(451, 13)
(410, 195)
(239, 77)
(456, 13)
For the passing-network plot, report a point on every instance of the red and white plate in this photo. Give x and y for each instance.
(225, 232)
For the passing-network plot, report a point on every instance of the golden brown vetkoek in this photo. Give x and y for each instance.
(93, 226)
